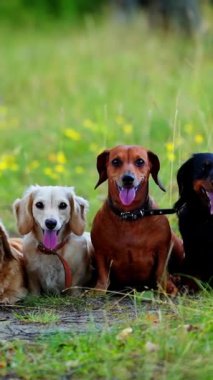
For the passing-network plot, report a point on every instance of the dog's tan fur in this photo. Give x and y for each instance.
(46, 272)
(12, 275)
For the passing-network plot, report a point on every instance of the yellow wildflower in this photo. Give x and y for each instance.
(170, 147)
(59, 168)
(171, 156)
(57, 157)
(198, 138)
(79, 170)
(61, 158)
(127, 128)
(8, 162)
(72, 134)
(50, 173)
(3, 166)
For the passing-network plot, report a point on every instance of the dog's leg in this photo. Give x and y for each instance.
(164, 281)
(10, 297)
(33, 283)
(103, 280)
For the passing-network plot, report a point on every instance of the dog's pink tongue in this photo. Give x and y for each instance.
(210, 196)
(127, 196)
(50, 239)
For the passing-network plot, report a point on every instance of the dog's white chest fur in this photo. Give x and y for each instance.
(46, 272)
(50, 272)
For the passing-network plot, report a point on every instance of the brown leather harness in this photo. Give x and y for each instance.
(67, 269)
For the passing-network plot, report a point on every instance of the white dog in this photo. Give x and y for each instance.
(56, 251)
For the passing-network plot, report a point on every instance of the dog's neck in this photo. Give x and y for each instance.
(147, 208)
(47, 251)
(134, 213)
(193, 203)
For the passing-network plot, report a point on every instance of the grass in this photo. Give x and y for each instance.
(65, 95)
(68, 94)
(171, 341)
(36, 316)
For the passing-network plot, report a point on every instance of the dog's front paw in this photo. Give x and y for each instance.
(171, 288)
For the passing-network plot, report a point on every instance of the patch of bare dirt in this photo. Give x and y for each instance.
(95, 313)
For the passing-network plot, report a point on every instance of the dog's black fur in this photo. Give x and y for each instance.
(195, 181)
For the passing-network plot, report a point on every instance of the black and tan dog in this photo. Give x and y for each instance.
(195, 212)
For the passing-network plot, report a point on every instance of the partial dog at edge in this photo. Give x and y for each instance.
(195, 213)
(57, 251)
(131, 253)
(12, 271)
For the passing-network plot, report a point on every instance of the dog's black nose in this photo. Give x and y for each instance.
(50, 223)
(128, 179)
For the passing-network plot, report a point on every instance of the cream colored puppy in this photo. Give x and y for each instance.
(56, 249)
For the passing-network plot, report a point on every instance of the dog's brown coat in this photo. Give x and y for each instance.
(12, 272)
(131, 253)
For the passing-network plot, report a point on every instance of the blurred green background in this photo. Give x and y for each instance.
(77, 77)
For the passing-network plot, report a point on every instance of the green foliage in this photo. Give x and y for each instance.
(36, 12)
(67, 94)
(173, 341)
(59, 8)
(38, 316)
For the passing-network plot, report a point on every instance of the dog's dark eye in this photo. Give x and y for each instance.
(62, 206)
(139, 162)
(116, 162)
(40, 205)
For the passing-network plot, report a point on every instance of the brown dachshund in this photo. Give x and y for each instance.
(131, 250)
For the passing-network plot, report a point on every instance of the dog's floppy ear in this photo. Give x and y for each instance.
(79, 207)
(184, 179)
(23, 211)
(155, 167)
(101, 167)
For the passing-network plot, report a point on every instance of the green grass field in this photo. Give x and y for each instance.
(68, 94)
(65, 95)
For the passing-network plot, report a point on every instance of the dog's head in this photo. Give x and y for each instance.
(127, 169)
(195, 178)
(51, 213)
